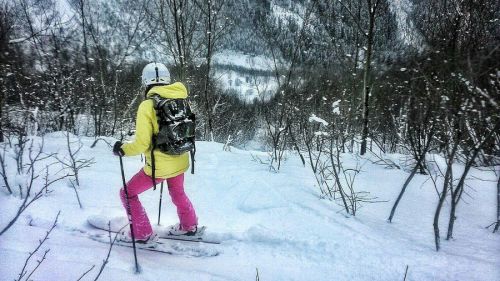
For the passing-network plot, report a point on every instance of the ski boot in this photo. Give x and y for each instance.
(176, 230)
(150, 241)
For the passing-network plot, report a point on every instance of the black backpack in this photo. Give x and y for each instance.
(177, 125)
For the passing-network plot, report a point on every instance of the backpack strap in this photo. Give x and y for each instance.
(155, 99)
(153, 166)
(192, 152)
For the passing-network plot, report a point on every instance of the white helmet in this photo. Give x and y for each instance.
(155, 73)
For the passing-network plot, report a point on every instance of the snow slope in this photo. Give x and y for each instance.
(249, 76)
(273, 222)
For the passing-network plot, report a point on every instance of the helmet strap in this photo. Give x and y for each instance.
(157, 75)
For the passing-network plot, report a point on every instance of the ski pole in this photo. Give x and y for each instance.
(129, 216)
(159, 206)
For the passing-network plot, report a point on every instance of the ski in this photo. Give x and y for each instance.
(191, 239)
(120, 223)
(197, 237)
(161, 247)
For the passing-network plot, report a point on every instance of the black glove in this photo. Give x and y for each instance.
(117, 149)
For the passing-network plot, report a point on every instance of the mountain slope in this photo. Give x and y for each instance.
(271, 221)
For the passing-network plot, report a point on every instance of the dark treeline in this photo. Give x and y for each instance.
(358, 76)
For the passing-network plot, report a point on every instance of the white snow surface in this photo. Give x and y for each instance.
(248, 86)
(407, 32)
(273, 222)
(257, 62)
(314, 118)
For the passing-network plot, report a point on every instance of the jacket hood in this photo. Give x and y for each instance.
(176, 90)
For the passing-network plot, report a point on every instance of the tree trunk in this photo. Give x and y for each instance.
(367, 78)
(178, 39)
(84, 31)
(457, 194)
(1, 116)
(442, 196)
(209, 128)
(295, 145)
(337, 179)
(403, 189)
(498, 205)
(421, 159)
(351, 129)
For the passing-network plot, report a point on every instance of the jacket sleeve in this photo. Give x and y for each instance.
(143, 132)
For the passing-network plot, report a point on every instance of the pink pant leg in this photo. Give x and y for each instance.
(139, 183)
(185, 210)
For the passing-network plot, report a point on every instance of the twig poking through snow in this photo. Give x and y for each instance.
(406, 272)
(73, 185)
(41, 242)
(86, 272)
(111, 243)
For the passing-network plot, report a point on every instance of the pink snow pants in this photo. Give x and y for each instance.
(142, 182)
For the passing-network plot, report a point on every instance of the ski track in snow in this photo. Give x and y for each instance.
(271, 221)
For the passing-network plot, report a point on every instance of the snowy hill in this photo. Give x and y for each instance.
(273, 222)
(250, 77)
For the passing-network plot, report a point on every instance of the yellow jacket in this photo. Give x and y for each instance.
(166, 166)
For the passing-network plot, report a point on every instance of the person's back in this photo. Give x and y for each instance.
(167, 167)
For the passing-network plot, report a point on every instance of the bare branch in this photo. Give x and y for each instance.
(41, 242)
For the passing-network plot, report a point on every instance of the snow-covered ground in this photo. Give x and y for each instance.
(249, 76)
(239, 59)
(247, 86)
(407, 32)
(273, 222)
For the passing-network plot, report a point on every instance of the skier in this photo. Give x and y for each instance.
(161, 166)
